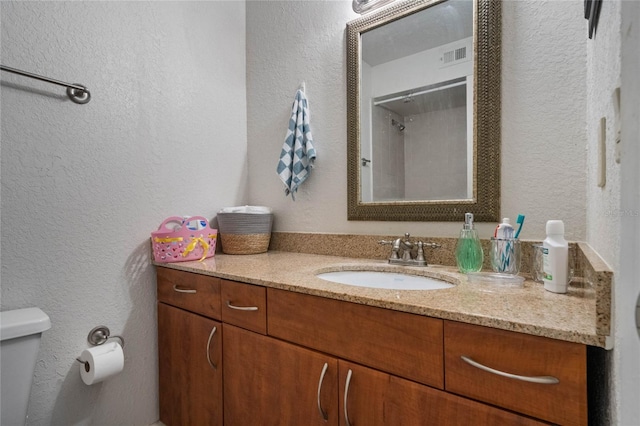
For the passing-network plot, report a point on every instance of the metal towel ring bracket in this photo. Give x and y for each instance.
(76, 92)
(99, 336)
(80, 95)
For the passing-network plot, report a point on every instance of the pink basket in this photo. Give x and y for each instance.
(182, 243)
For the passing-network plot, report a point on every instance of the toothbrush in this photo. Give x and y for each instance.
(519, 221)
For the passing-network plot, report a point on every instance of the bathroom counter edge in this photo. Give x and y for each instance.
(571, 317)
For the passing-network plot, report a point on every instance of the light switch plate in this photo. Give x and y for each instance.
(616, 127)
(602, 153)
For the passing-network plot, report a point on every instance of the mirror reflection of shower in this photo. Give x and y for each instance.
(420, 144)
(416, 98)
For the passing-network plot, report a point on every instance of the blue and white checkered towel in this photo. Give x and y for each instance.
(298, 153)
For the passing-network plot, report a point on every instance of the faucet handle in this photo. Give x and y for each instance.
(394, 249)
(420, 254)
(431, 245)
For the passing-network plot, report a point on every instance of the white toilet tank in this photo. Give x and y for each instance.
(20, 332)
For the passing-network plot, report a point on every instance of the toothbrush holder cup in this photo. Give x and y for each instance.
(505, 255)
(537, 263)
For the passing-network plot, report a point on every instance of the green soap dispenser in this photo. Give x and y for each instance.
(469, 253)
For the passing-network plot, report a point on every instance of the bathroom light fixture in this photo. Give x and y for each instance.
(364, 6)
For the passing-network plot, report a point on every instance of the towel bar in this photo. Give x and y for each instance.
(76, 92)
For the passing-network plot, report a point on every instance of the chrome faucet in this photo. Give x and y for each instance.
(407, 252)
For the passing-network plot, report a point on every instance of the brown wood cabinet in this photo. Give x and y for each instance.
(540, 377)
(399, 343)
(244, 305)
(193, 292)
(373, 398)
(190, 367)
(270, 382)
(298, 359)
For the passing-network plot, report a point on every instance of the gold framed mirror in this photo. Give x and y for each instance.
(423, 116)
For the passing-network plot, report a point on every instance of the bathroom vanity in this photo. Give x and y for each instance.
(252, 340)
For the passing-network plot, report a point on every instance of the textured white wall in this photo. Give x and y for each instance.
(627, 294)
(603, 204)
(84, 185)
(543, 115)
(613, 212)
(603, 76)
(613, 60)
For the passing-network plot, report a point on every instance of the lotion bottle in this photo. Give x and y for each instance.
(555, 254)
(469, 254)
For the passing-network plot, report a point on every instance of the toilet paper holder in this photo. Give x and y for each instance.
(99, 336)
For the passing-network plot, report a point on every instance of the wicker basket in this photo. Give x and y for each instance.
(244, 233)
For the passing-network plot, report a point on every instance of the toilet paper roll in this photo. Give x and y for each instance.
(101, 362)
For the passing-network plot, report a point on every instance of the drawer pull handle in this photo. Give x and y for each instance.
(241, 308)
(213, 331)
(322, 413)
(346, 397)
(545, 380)
(183, 290)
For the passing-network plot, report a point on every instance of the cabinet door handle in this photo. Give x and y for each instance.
(241, 308)
(545, 380)
(322, 413)
(346, 397)
(213, 331)
(183, 290)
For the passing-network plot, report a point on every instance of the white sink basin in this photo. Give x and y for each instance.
(388, 280)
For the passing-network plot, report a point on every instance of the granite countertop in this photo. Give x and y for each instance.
(532, 310)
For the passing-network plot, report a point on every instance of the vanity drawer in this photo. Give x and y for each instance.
(193, 292)
(244, 305)
(523, 357)
(399, 343)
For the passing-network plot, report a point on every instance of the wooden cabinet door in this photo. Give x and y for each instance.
(190, 367)
(376, 398)
(270, 382)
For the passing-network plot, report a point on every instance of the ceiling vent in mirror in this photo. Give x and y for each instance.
(364, 6)
(455, 53)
